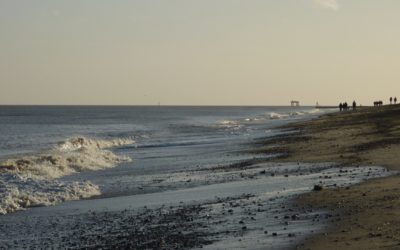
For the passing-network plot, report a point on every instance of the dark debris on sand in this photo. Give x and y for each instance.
(161, 228)
(166, 227)
(152, 229)
(177, 227)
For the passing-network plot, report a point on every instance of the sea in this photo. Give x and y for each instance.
(155, 139)
(58, 161)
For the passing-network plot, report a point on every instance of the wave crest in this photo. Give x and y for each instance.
(74, 155)
(17, 193)
(274, 115)
(29, 180)
(82, 142)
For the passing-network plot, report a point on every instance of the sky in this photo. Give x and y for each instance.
(198, 52)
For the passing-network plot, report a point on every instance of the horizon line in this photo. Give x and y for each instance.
(167, 105)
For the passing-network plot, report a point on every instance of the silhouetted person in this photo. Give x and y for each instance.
(345, 106)
(391, 99)
(395, 100)
(354, 105)
(341, 107)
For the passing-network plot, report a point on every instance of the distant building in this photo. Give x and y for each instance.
(295, 103)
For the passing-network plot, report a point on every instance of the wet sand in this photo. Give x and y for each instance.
(246, 209)
(364, 216)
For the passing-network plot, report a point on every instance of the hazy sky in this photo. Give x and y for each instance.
(198, 52)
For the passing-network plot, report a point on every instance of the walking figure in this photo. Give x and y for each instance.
(391, 99)
(341, 107)
(354, 105)
(395, 100)
(378, 103)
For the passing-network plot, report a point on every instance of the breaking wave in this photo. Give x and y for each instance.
(74, 155)
(274, 115)
(30, 180)
(314, 111)
(18, 193)
(230, 124)
(238, 124)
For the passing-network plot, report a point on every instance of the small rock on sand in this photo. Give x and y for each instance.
(318, 188)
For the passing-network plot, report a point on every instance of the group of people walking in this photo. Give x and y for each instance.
(393, 100)
(344, 106)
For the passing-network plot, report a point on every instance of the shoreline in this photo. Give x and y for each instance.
(225, 206)
(238, 214)
(239, 205)
(365, 214)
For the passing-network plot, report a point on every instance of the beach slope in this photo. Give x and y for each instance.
(366, 216)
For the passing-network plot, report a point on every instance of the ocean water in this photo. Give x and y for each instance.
(50, 154)
(28, 129)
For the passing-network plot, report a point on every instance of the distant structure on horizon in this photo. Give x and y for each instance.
(295, 103)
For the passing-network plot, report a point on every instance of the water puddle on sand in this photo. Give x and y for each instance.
(237, 209)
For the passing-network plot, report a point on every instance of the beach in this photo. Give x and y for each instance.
(366, 215)
(218, 125)
(210, 178)
(155, 177)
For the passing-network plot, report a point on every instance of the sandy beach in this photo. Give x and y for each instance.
(263, 200)
(210, 185)
(366, 215)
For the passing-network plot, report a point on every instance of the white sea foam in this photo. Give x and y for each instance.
(18, 193)
(255, 119)
(297, 113)
(274, 116)
(314, 111)
(82, 142)
(29, 180)
(74, 155)
(230, 124)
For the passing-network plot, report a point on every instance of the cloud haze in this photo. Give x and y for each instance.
(328, 4)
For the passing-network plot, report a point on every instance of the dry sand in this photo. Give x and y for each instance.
(367, 216)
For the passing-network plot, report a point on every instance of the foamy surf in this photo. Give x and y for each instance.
(230, 124)
(274, 115)
(72, 156)
(29, 180)
(17, 193)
